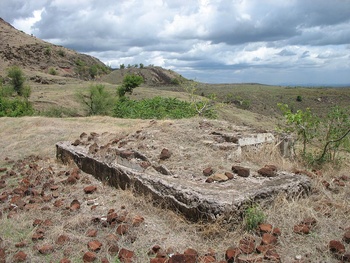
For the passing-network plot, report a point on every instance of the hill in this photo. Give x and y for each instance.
(153, 76)
(36, 56)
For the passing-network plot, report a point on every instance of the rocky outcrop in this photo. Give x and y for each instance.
(195, 199)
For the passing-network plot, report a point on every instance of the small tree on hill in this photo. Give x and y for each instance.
(129, 83)
(17, 79)
(97, 101)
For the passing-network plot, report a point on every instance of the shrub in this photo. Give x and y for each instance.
(129, 83)
(175, 81)
(97, 101)
(15, 107)
(155, 108)
(321, 138)
(253, 216)
(61, 53)
(17, 79)
(299, 98)
(47, 51)
(52, 71)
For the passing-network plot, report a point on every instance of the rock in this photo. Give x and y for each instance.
(272, 167)
(336, 247)
(65, 260)
(90, 189)
(229, 175)
(126, 255)
(182, 258)
(94, 245)
(346, 237)
(263, 248)
(267, 172)
(272, 256)
(209, 180)
(265, 228)
(247, 245)
(137, 220)
(62, 239)
(75, 205)
(268, 239)
(192, 198)
(231, 254)
(346, 257)
(89, 257)
(21, 244)
(37, 222)
(20, 256)
(219, 177)
(2, 255)
(112, 217)
(208, 171)
(104, 260)
(309, 221)
(58, 203)
(113, 249)
(191, 251)
(122, 229)
(127, 154)
(91, 233)
(241, 171)
(301, 229)
(37, 236)
(46, 249)
(165, 154)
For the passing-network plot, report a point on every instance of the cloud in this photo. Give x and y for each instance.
(203, 38)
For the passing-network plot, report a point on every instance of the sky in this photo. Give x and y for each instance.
(277, 42)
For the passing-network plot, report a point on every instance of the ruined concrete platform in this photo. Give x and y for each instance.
(166, 161)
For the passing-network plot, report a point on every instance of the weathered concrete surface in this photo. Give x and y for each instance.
(190, 195)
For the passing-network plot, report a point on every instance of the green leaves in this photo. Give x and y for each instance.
(156, 108)
(129, 83)
(16, 79)
(321, 138)
(97, 100)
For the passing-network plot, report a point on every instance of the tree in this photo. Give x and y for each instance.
(129, 83)
(97, 100)
(322, 138)
(17, 79)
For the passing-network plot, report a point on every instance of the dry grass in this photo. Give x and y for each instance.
(35, 135)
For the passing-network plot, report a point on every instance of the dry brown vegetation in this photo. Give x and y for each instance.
(36, 136)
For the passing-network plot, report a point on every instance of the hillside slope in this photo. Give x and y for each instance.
(152, 76)
(35, 56)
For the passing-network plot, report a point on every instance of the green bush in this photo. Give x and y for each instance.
(155, 108)
(47, 51)
(52, 71)
(16, 107)
(97, 100)
(322, 138)
(129, 83)
(61, 53)
(17, 79)
(253, 216)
